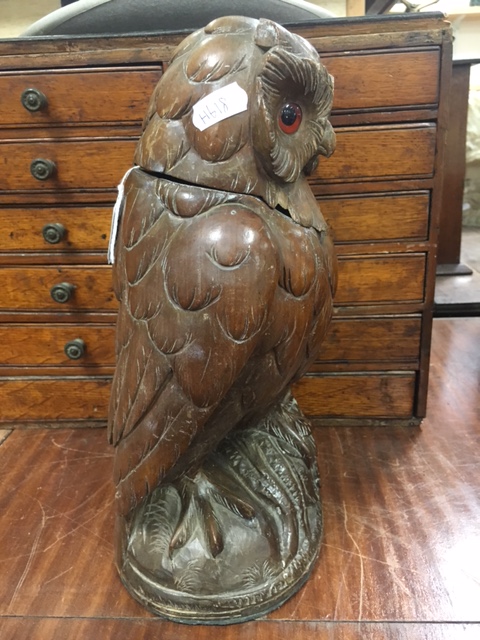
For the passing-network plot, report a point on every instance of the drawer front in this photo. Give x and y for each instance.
(37, 399)
(377, 280)
(31, 288)
(48, 345)
(367, 154)
(337, 396)
(362, 280)
(378, 339)
(380, 395)
(79, 164)
(55, 229)
(380, 153)
(378, 218)
(70, 97)
(377, 80)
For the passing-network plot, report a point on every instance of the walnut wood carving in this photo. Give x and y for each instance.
(225, 274)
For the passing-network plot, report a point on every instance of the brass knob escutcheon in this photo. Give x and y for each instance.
(75, 349)
(42, 169)
(62, 292)
(34, 100)
(53, 232)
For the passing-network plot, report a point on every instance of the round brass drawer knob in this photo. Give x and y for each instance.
(75, 349)
(62, 292)
(42, 169)
(34, 100)
(53, 232)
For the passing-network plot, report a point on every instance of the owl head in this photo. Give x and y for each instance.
(275, 136)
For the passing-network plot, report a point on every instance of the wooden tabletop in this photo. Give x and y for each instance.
(401, 553)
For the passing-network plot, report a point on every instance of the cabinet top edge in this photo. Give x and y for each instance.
(382, 27)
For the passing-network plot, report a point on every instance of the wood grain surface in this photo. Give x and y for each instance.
(29, 288)
(44, 344)
(361, 83)
(374, 280)
(135, 48)
(377, 217)
(144, 629)
(94, 95)
(400, 553)
(32, 398)
(377, 339)
(362, 280)
(380, 153)
(86, 229)
(382, 395)
(81, 164)
(450, 230)
(383, 339)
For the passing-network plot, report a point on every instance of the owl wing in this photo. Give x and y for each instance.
(195, 273)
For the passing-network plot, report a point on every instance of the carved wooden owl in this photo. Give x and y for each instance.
(225, 274)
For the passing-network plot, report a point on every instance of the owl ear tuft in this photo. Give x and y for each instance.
(268, 34)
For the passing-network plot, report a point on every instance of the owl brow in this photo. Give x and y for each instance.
(314, 78)
(282, 65)
(324, 94)
(269, 89)
(271, 71)
(297, 71)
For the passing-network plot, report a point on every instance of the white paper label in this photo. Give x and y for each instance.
(219, 105)
(116, 215)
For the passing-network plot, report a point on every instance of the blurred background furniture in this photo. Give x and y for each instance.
(450, 233)
(102, 17)
(458, 283)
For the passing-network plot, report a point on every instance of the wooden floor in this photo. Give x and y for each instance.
(401, 554)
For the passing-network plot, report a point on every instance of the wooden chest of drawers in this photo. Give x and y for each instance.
(60, 165)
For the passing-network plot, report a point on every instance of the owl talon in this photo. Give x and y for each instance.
(198, 497)
(196, 509)
(184, 529)
(242, 520)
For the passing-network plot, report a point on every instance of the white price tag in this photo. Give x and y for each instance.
(219, 105)
(116, 215)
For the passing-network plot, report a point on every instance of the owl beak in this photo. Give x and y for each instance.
(328, 141)
(327, 147)
(311, 165)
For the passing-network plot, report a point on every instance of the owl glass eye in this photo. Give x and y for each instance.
(289, 118)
